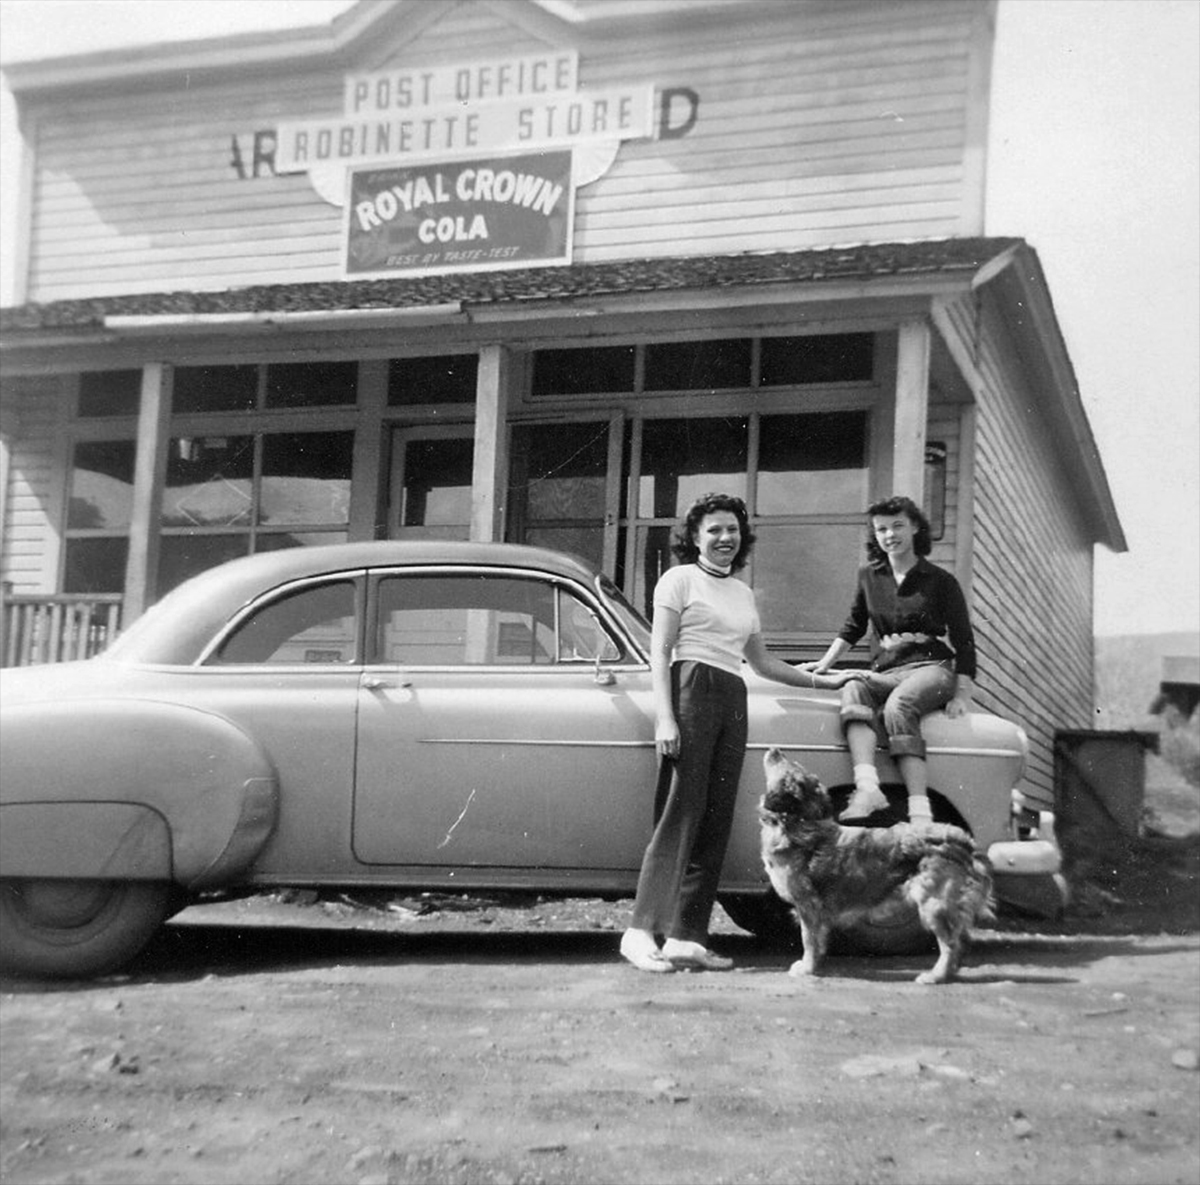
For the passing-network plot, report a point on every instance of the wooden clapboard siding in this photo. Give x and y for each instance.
(1032, 571)
(825, 124)
(33, 509)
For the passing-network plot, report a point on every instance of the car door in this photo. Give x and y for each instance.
(502, 724)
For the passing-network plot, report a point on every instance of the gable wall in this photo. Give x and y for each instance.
(827, 124)
(1031, 595)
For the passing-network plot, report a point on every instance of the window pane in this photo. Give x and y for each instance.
(208, 481)
(804, 576)
(654, 557)
(441, 378)
(682, 459)
(215, 388)
(697, 366)
(183, 556)
(110, 393)
(581, 637)
(585, 542)
(465, 620)
(101, 495)
(315, 625)
(562, 469)
(823, 358)
(587, 371)
(306, 478)
(95, 565)
(812, 464)
(437, 482)
(311, 384)
(279, 541)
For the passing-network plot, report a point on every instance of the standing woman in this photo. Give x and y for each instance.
(914, 607)
(705, 624)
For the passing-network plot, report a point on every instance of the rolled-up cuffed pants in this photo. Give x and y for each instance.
(906, 693)
(693, 804)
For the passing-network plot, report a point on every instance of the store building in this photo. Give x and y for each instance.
(544, 270)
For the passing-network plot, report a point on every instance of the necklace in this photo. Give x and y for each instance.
(719, 573)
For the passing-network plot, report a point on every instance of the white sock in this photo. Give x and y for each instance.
(866, 776)
(918, 809)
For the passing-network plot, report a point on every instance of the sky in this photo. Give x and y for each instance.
(1093, 159)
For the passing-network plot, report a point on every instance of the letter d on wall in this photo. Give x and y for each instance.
(689, 100)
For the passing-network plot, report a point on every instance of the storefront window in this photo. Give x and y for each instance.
(311, 384)
(182, 556)
(588, 370)
(109, 393)
(215, 388)
(820, 358)
(101, 496)
(440, 378)
(209, 482)
(812, 464)
(682, 459)
(95, 564)
(804, 576)
(559, 482)
(697, 366)
(217, 505)
(305, 478)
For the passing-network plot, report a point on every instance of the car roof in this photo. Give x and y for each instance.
(176, 629)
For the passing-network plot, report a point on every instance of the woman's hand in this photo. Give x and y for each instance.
(958, 705)
(832, 680)
(816, 667)
(666, 739)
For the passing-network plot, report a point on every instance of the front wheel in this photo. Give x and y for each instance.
(77, 928)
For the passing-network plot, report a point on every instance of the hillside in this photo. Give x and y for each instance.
(1128, 672)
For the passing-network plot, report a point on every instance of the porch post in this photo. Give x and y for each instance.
(912, 411)
(149, 476)
(490, 474)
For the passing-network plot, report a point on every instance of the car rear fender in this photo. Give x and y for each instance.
(135, 787)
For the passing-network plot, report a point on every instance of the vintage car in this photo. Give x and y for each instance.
(412, 715)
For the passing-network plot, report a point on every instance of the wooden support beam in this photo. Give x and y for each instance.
(912, 410)
(490, 475)
(149, 476)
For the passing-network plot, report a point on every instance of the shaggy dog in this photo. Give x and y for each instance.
(832, 875)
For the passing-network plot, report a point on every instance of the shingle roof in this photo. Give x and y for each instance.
(865, 262)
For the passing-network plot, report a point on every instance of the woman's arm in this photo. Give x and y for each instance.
(964, 692)
(763, 662)
(837, 648)
(663, 634)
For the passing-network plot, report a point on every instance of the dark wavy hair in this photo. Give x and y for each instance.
(685, 538)
(889, 508)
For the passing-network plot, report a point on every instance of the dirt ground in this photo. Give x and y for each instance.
(469, 1040)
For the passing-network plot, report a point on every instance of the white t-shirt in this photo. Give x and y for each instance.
(717, 615)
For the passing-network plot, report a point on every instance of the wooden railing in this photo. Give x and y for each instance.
(56, 628)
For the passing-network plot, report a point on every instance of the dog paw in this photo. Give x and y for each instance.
(931, 977)
(801, 970)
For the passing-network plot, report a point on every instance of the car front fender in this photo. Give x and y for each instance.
(91, 785)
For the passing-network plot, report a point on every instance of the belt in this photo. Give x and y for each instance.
(895, 641)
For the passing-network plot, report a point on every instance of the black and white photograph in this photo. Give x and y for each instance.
(599, 592)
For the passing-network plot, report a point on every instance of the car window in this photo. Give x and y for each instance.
(465, 620)
(316, 624)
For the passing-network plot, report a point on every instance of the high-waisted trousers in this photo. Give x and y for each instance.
(693, 804)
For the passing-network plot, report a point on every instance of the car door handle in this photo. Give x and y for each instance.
(378, 683)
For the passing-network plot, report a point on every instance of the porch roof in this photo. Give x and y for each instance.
(872, 261)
